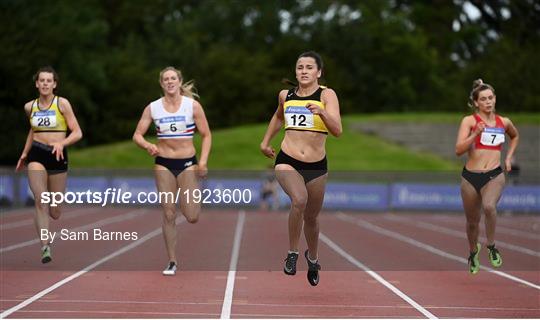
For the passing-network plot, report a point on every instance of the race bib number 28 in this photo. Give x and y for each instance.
(44, 118)
(492, 136)
(299, 117)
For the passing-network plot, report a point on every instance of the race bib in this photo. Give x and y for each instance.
(298, 117)
(44, 119)
(171, 125)
(492, 137)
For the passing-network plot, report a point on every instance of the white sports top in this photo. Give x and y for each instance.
(178, 125)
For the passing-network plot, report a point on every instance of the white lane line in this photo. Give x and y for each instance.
(66, 215)
(375, 276)
(462, 235)
(74, 276)
(134, 313)
(146, 314)
(364, 224)
(86, 301)
(228, 298)
(518, 233)
(98, 224)
(273, 305)
(500, 227)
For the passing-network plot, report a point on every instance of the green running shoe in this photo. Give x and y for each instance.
(46, 254)
(494, 256)
(474, 262)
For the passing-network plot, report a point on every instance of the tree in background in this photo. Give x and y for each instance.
(381, 56)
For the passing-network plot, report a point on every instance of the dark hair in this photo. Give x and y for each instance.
(307, 54)
(314, 55)
(478, 85)
(47, 69)
(289, 82)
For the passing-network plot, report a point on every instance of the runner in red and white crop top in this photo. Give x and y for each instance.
(481, 135)
(491, 138)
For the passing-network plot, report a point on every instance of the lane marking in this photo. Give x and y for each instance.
(462, 235)
(500, 227)
(94, 225)
(83, 301)
(227, 300)
(74, 276)
(206, 315)
(277, 305)
(66, 215)
(398, 236)
(517, 233)
(375, 276)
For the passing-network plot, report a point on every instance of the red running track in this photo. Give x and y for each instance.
(379, 265)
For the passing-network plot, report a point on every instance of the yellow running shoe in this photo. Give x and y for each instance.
(494, 256)
(474, 262)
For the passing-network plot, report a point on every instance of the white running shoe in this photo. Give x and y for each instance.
(170, 270)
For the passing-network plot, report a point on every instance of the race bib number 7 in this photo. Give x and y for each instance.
(298, 117)
(492, 137)
(44, 119)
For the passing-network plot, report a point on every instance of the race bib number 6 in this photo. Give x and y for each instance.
(492, 136)
(172, 124)
(299, 117)
(45, 118)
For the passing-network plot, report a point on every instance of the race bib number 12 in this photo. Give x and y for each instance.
(299, 117)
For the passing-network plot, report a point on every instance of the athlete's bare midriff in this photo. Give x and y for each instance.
(483, 160)
(49, 137)
(176, 148)
(306, 146)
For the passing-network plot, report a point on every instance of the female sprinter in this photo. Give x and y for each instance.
(45, 150)
(176, 116)
(308, 111)
(482, 135)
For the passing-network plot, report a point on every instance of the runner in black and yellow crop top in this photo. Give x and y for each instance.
(48, 119)
(308, 112)
(45, 151)
(298, 117)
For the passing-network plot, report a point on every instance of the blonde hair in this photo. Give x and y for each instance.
(478, 85)
(187, 89)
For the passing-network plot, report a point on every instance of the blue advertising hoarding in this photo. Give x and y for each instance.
(344, 196)
(7, 191)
